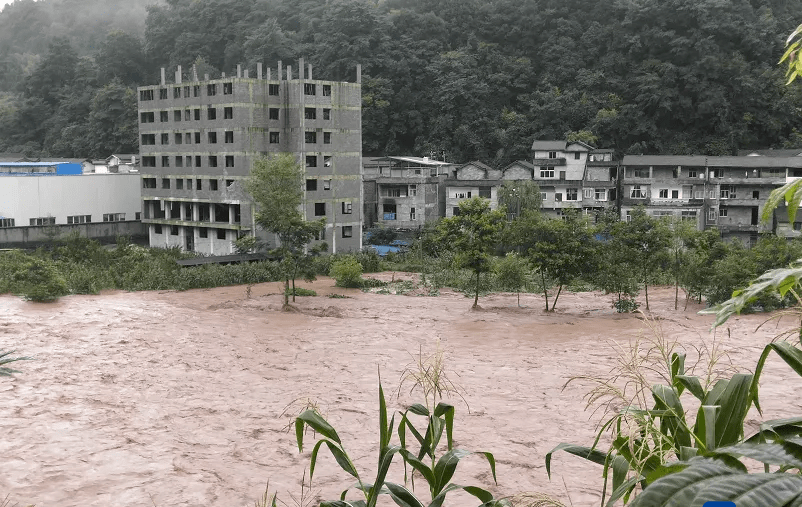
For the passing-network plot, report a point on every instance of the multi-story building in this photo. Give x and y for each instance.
(199, 139)
(404, 192)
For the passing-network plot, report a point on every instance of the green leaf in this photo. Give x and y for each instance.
(420, 466)
(692, 384)
(385, 461)
(666, 398)
(710, 419)
(590, 454)
(384, 431)
(680, 488)
(317, 423)
(313, 459)
(447, 410)
(787, 352)
(445, 468)
(402, 496)
(419, 409)
(624, 490)
(752, 490)
(620, 469)
(784, 428)
(783, 453)
(734, 402)
(484, 496)
(342, 458)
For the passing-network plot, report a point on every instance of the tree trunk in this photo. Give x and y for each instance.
(676, 293)
(646, 290)
(476, 297)
(556, 297)
(293, 289)
(519, 299)
(545, 289)
(286, 291)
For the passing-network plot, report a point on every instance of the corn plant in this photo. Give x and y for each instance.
(5, 358)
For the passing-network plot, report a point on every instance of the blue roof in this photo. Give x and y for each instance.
(62, 168)
(383, 250)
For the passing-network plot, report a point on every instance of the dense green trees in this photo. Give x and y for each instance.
(461, 80)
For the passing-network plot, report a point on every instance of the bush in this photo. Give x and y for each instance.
(38, 280)
(370, 261)
(347, 272)
(301, 292)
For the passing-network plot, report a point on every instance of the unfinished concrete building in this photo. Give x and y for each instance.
(199, 138)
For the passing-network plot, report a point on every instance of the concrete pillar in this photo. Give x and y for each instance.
(164, 77)
(231, 214)
(245, 74)
(178, 75)
(359, 73)
(280, 70)
(301, 68)
(194, 72)
(222, 74)
(268, 73)
(310, 72)
(651, 171)
(258, 70)
(289, 72)
(212, 215)
(206, 77)
(239, 70)
(195, 212)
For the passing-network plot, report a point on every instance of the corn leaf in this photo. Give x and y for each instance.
(590, 454)
(317, 423)
(790, 354)
(402, 496)
(752, 490)
(679, 489)
(782, 453)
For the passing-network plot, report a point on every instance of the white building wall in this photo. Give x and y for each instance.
(26, 197)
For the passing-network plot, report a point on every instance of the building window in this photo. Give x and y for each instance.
(600, 194)
(272, 113)
(211, 90)
(327, 161)
(272, 89)
(347, 208)
(157, 228)
(203, 232)
(412, 213)
(552, 154)
(311, 161)
(212, 137)
(197, 137)
(311, 185)
(310, 113)
(693, 173)
(179, 183)
(663, 193)
(147, 117)
(114, 217)
(228, 113)
(212, 160)
(146, 95)
(213, 185)
(229, 136)
(327, 90)
(186, 92)
(718, 172)
(173, 230)
(310, 137)
(221, 234)
(485, 192)
(162, 93)
(229, 160)
(348, 231)
(149, 161)
(165, 161)
(164, 116)
(546, 172)
(320, 209)
(274, 137)
(640, 173)
(198, 184)
(309, 88)
(571, 194)
(321, 235)
(576, 156)
(166, 183)
(179, 162)
(211, 114)
(79, 219)
(675, 194)
(727, 192)
(187, 114)
(148, 182)
(138, 215)
(188, 138)
(148, 139)
(43, 221)
(327, 114)
(755, 194)
(712, 215)
(326, 137)
(228, 88)
(688, 215)
(558, 197)
(6, 222)
(179, 138)
(326, 184)
(637, 192)
(722, 212)
(587, 193)
(198, 160)
(165, 138)
(176, 115)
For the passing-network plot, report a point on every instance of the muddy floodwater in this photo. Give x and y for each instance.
(185, 398)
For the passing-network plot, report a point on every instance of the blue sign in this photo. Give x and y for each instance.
(719, 504)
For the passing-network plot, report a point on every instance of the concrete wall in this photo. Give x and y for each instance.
(26, 197)
(105, 232)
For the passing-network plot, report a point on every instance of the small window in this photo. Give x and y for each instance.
(213, 163)
(675, 194)
(189, 164)
(327, 161)
(188, 138)
(186, 92)
(165, 161)
(43, 221)
(164, 116)
(179, 138)
(211, 90)
(187, 114)
(228, 88)
(196, 112)
(272, 113)
(272, 89)
(311, 185)
(576, 156)
(326, 137)
(311, 161)
(309, 88)
(412, 213)
(149, 161)
(310, 113)
(755, 194)
(558, 196)
(137, 215)
(157, 228)
(196, 91)
(211, 114)
(212, 138)
(546, 172)
(327, 114)
(722, 212)
(552, 154)
(213, 185)
(179, 184)
(229, 136)
(148, 182)
(114, 217)
(179, 162)
(146, 95)
(198, 184)
(347, 208)
(310, 137)
(320, 209)
(173, 230)
(79, 219)
(228, 113)
(229, 183)
(663, 193)
(197, 137)
(203, 232)
(327, 90)
(148, 139)
(165, 138)
(176, 115)
(326, 184)
(347, 231)
(229, 160)
(166, 183)
(692, 173)
(162, 93)
(198, 160)
(274, 139)
(221, 234)
(147, 117)
(587, 193)
(571, 194)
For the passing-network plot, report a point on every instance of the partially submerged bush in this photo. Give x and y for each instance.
(347, 272)
(299, 291)
(37, 279)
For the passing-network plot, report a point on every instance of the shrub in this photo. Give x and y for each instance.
(38, 280)
(301, 292)
(347, 272)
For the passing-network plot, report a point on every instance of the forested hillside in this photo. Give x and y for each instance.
(464, 79)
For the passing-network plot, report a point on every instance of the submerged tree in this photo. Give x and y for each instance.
(276, 187)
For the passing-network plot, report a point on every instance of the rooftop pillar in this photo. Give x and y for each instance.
(258, 70)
